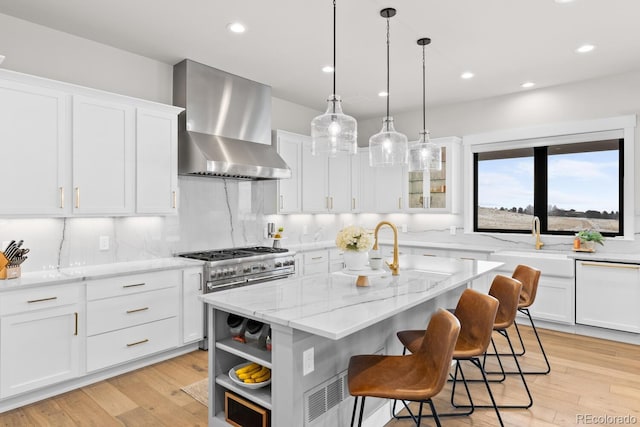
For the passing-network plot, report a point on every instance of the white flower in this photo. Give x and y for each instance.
(353, 238)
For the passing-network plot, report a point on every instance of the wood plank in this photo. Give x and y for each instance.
(110, 398)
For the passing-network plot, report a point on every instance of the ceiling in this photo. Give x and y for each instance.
(504, 42)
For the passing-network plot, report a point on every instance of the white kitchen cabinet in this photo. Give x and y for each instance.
(315, 262)
(336, 260)
(608, 295)
(437, 191)
(34, 150)
(156, 162)
(284, 196)
(40, 338)
(132, 316)
(381, 188)
(315, 184)
(103, 156)
(192, 306)
(356, 165)
(326, 182)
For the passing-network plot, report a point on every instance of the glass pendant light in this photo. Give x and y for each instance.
(424, 155)
(387, 147)
(334, 131)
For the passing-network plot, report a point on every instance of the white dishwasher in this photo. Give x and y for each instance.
(608, 295)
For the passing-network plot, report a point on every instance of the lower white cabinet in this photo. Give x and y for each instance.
(316, 262)
(40, 338)
(336, 260)
(192, 306)
(608, 295)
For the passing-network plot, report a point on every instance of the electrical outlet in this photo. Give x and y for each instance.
(307, 361)
(104, 243)
(403, 227)
(305, 229)
(452, 230)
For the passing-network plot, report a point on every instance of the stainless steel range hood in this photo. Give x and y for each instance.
(225, 130)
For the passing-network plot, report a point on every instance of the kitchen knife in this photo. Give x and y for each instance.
(10, 251)
(8, 246)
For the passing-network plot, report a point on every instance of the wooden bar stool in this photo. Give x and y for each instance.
(477, 313)
(507, 291)
(415, 377)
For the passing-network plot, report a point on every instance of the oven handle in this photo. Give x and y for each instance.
(269, 278)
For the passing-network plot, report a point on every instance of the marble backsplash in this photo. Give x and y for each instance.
(220, 213)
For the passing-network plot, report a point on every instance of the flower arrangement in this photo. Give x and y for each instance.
(354, 238)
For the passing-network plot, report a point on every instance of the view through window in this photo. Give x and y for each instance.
(571, 187)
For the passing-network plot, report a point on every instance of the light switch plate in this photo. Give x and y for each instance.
(307, 361)
(452, 230)
(104, 243)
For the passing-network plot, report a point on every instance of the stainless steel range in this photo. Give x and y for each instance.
(230, 268)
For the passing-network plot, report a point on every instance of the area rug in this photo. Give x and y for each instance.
(198, 390)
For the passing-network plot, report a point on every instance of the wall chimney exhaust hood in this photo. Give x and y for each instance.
(225, 130)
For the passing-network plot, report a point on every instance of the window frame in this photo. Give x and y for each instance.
(541, 193)
(620, 127)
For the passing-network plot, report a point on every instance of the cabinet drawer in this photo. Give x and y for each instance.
(39, 298)
(129, 310)
(132, 284)
(316, 257)
(128, 344)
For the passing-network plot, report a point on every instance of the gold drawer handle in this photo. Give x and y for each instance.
(77, 197)
(42, 300)
(428, 255)
(174, 200)
(76, 322)
(135, 310)
(470, 259)
(61, 197)
(134, 285)
(317, 257)
(138, 342)
(594, 264)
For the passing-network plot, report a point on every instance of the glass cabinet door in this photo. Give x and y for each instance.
(428, 190)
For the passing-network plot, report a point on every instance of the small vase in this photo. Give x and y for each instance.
(588, 245)
(354, 260)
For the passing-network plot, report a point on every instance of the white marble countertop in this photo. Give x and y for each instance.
(332, 305)
(603, 256)
(89, 272)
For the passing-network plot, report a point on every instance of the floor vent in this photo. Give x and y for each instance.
(324, 397)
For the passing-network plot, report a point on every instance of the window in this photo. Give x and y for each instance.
(569, 186)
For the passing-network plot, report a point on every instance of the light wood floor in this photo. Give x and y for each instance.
(589, 376)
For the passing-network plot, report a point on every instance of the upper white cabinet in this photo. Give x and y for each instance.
(284, 196)
(156, 162)
(381, 188)
(69, 150)
(103, 157)
(437, 191)
(326, 182)
(34, 150)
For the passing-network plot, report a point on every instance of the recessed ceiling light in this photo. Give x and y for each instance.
(585, 48)
(236, 27)
(327, 69)
(383, 93)
(527, 85)
(467, 75)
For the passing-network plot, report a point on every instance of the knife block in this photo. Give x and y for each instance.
(12, 272)
(6, 271)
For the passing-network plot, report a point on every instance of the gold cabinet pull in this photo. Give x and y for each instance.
(353, 203)
(77, 197)
(331, 203)
(595, 264)
(135, 310)
(174, 202)
(138, 342)
(316, 257)
(134, 285)
(281, 202)
(42, 300)
(76, 322)
(61, 197)
(399, 202)
(428, 255)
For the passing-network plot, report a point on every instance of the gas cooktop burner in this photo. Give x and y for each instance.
(224, 254)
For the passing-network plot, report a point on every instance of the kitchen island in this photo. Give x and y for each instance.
(319, 322)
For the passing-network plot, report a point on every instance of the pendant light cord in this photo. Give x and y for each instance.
(424, 91)
(388, 94)
(334, 56)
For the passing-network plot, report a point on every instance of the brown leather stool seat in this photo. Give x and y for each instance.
(416, 377)
(476, 312)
